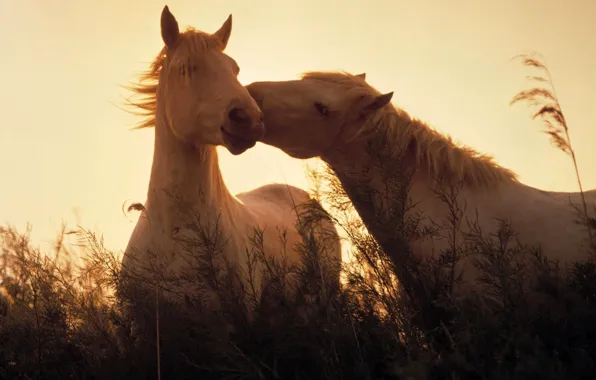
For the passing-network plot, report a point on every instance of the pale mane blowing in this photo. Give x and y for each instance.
(146, 88)
(431, 150)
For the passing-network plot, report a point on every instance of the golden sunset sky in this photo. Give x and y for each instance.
(67, 151)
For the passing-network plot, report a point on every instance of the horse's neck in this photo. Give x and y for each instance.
(383, 184)
(400, 145)
(374, 170)
(362, 173)
(381, 200)
(185, 182)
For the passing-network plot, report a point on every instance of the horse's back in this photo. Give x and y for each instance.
(276, 193)
(286, 206)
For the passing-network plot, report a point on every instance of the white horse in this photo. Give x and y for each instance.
(192, 96)
(335, 116)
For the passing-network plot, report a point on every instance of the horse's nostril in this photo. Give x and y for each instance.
(238, 115)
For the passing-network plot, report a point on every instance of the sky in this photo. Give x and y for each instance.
(67, 151)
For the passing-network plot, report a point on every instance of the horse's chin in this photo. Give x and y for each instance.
(300, 154)
(237, 148)
(236, 144)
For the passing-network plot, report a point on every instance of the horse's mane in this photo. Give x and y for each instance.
(436, 153)
(192, 42)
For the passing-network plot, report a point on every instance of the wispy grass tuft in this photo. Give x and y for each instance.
(544, 98)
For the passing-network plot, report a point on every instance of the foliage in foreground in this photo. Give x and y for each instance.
(527, 319)
(57, 322)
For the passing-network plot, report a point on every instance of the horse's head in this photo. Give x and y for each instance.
(309, 117)
(203, 101)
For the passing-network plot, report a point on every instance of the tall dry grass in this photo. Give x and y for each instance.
(544, 97)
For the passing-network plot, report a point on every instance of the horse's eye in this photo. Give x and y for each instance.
(321, 108)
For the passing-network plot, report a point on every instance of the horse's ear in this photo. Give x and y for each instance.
(379, 102)
(169, 27)
(361, 76)
(225, 31)
(372, 104)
